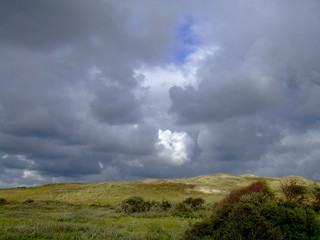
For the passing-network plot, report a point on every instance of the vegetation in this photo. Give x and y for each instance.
(294, 191)
(57, 220)
(194, 203)
(211, 188)
(254, 213)
(256, 187)
(316, 204)
(195, 208)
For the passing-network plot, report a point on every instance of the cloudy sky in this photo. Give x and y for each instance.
(99, 90)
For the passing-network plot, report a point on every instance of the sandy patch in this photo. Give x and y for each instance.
(248, 176)
(208, 190)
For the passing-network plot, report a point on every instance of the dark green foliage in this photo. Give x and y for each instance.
(257, 216)
(165, 205)
(194, 203)
(316, 192)
(138, 204)
(294, 191)
(3, 201)
(135, 204)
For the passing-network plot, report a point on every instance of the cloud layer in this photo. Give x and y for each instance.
(107, 90)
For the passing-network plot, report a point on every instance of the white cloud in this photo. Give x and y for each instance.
(32, 175)
(174, 148)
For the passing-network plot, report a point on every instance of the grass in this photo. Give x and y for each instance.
(211, 188)
(41, 220)
(89, 211)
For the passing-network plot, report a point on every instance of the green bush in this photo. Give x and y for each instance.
(135, 204)
(138, 204)
(294, 191)
(194, 203)
(257, 216)
(316, 192)
(3, 201)
(165, 205)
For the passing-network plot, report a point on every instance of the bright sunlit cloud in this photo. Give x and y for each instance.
(174, 147)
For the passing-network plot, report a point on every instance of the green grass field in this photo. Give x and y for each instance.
(40, 220)
(89, 211)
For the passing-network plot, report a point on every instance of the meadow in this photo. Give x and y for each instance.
(50, 220)
(103, 210)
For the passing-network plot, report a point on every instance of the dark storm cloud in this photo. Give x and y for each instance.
(116, 105)
(215, 103)
(241, 140)
(44, 25)
(267, 58)
(67, 76)
(265, 67)
(76, 104)
(15, 163)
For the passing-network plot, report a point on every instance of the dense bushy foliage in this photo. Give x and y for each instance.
(316, 192)
(258, 186)
(294, 191)
(3, 201)
(257, 215)
(135, 204)
(138, 204)
(194, 203)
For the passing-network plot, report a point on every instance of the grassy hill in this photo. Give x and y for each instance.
(48, 217)
(210, 187)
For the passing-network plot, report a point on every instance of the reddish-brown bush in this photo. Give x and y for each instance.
(258, 186)
(28, 201)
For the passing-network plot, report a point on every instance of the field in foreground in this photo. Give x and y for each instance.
(40, 220)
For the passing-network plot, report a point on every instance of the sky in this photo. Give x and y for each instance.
(108, 90)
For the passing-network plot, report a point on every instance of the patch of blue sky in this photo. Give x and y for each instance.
(186, 43)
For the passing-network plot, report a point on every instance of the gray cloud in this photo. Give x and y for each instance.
(87, 85)
(265, 68)
(115, 105)
(215, 103)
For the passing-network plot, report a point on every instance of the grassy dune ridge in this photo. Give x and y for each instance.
(211, 188)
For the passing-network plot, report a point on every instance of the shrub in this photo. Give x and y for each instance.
(257, 216)
(194, 203)
(3, 201)
(258, 186)
(138, 204)
(165, 205)
(28, 201)
(134, 204)
(181, 207)
(316, 192)
(294, 191)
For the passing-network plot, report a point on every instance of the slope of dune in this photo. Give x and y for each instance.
(209, 187)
